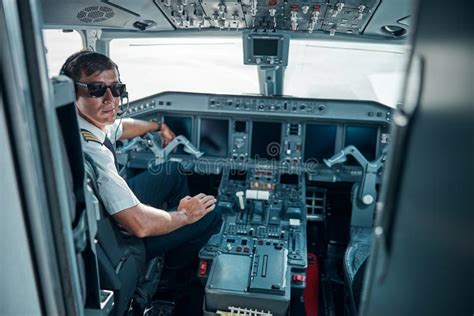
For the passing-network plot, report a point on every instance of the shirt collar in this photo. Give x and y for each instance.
(83, 123)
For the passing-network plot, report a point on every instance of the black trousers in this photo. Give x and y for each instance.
(162, 188)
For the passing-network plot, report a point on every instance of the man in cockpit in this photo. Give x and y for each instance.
(136, 204)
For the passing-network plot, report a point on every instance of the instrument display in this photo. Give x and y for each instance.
(213, 137)
(266, 140)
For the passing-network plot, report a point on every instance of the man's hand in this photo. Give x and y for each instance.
(166, 134)
(194, 208)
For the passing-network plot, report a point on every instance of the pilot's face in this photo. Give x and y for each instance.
(100, 111)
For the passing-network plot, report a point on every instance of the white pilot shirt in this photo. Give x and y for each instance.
(113, 190)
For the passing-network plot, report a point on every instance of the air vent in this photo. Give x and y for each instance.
(95, 14)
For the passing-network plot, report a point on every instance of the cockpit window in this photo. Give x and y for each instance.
(316, 69)
(59, 46)
(337, 70)
(210, 65)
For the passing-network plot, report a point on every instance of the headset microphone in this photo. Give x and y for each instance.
(121, 108)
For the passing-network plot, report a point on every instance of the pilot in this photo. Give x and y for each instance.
(136, 204)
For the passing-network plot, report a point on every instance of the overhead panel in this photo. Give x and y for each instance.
(348, 16)
(334, 16)
(194, 14)
(228, 14)
(302, 16)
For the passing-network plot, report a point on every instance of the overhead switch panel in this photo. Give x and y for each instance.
(333, 16)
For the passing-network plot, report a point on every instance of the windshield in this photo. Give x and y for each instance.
(316, 69)
(59, 46)
(337, 70)
(203, 65)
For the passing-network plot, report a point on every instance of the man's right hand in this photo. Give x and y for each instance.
(196, 207)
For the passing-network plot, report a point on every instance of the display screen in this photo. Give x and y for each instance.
(364, 139)
(265, 47)
(286, 178)
(180, 126)
(266, 140)
(213, 137)
(320, 141)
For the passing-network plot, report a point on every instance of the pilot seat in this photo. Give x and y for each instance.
(113, 260)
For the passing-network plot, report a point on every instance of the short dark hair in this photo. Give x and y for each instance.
(86, 62)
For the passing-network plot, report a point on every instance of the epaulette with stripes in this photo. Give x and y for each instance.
(89, 137)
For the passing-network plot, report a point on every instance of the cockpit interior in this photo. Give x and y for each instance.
(284, 110)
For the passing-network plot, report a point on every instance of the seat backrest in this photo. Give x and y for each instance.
(121, 256)
(356, 256)
(73, 165)
(355, 261)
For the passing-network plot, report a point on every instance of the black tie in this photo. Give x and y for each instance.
(108, 144)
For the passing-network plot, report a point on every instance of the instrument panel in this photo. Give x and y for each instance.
(266, 149)
(290, 134)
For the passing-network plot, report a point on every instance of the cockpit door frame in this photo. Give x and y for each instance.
(39, 161)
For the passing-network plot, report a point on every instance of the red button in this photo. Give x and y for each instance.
(239, 249)
(299, 278)
(203, 268)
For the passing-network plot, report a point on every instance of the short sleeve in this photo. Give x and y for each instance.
(114, 190)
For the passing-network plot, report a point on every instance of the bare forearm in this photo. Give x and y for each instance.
(159, 222)
(143, 220)
(133, 128)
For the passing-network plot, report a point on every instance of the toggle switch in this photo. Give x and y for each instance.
(294, 20)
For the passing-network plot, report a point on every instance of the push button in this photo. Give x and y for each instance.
(298, 277)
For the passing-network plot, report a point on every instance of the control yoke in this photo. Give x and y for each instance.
(367, 193)
(161, 154)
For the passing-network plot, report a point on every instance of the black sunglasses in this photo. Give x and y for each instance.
(98, 89)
